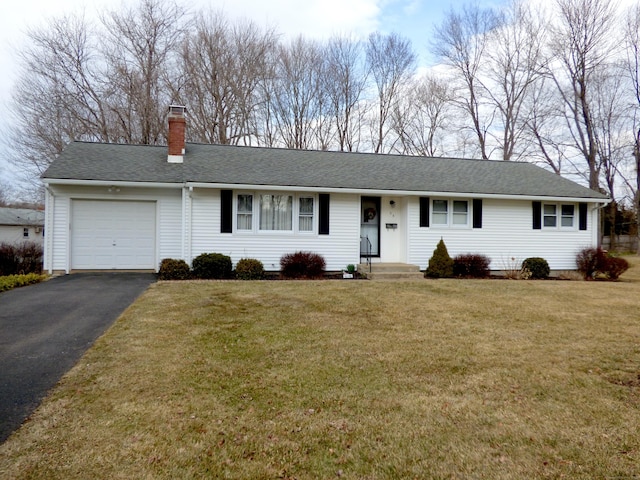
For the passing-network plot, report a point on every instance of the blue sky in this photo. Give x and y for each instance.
(312, 18)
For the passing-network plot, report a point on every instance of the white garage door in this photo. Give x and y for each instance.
(111, 235)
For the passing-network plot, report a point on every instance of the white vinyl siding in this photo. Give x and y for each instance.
(506, 234)
(339, 248)
(168, 221)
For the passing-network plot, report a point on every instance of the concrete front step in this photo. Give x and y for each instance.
(391, 271)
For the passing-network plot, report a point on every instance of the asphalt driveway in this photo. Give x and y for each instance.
(46, 328)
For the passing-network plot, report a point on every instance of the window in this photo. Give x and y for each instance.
(440, 212)
(245, 212)
(25, 232)
(554, 215)
(460, 212)
(549, 215)
(567, 215)
(276, 212)
(305, 214)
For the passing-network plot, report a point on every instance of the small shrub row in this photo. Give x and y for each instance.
(210, 266)
(473, 265)
(470, 265)
(306, 265)
(21, 258)
(14, 281)
(594, 262)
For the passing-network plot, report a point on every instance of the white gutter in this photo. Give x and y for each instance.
(106, 183)
(372, 192)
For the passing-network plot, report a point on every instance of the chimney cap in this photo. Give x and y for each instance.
(178, 110)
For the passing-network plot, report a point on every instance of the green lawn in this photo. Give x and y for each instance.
(492, 379)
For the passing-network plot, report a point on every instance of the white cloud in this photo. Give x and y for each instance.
(311, 18)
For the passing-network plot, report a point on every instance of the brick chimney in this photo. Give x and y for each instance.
(177, 125)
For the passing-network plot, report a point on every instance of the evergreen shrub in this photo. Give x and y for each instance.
(212, 266)
(173, 269)
(440, 263)
(249, 269)
(538, 267)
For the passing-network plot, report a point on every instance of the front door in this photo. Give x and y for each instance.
(370, 227)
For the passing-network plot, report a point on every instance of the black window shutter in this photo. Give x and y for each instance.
(323, 214)
(477, 213)
(424, 211)
(582, 214)
(537, 215)
(226, 211)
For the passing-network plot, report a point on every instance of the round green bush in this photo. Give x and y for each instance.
(172, 269)
(538, 267)
(212, 266)
(249, 269)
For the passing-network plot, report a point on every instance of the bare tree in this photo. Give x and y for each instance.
(222, 65)
(139, 49)
(632, 41)
(422, 118)
(344, 80)
(58, 97)
(461, 41)
(513, 66)
(580, 43)
(295, 93)
(391, 62)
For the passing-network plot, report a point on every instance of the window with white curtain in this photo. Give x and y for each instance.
(276, 212)
(245, 212)
(305, 214)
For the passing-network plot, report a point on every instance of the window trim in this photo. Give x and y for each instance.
(559, 216)
(236, 212)
(295, 212)
(450, 213)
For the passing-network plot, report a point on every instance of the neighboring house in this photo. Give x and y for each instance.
(18, 225)
(128, 207)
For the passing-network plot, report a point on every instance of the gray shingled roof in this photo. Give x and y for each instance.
(21, 217)
(225, 164)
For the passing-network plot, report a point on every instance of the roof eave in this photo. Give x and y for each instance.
(107, 183)
(373, 192)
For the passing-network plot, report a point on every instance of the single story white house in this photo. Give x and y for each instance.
(19, 225)
(126, 207)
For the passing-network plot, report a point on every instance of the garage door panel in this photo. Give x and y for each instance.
(113, 235)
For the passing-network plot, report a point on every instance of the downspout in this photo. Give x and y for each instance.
(49, 201)
(187, 195)
(600, 223)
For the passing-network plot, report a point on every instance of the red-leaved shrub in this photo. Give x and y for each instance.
(302, 265)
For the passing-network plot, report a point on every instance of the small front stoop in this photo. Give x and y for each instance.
(391, 271)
